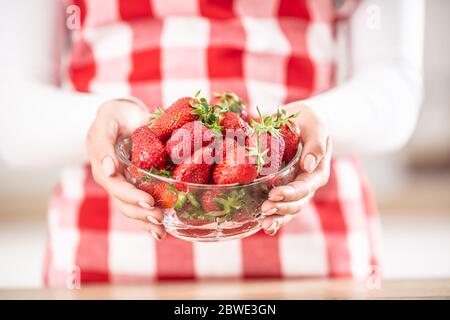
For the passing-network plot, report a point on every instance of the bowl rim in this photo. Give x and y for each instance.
(127, 161)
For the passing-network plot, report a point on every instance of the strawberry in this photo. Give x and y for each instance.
(232, 121)
(274, 145)
(231, 109)
(161, 192)
(208, 198)
(193, 216)
(147, 151)
(134, 172)
(174, 117)
(291, 137)
(267, 143)
(237, 166)
(290, 132)
(194, 169)
(219, 204)
(188, 139)
(231, 102)
(244, 221)
(193, 232)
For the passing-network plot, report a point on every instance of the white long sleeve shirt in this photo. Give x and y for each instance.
(374, 110)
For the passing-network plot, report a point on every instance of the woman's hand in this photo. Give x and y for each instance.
(118, 118)
(286, 201)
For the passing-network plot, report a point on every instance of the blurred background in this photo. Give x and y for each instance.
(412, 186)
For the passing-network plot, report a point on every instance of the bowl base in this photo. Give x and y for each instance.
(202, 235)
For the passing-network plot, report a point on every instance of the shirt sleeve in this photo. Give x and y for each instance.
(376, 109)
(41, 124)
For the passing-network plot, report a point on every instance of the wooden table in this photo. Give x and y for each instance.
(262, 289)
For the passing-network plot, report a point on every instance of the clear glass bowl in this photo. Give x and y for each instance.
(187, 220)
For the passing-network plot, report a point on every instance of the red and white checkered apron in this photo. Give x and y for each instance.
(269, 52)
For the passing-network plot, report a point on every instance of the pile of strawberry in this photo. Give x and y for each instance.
(158, 147)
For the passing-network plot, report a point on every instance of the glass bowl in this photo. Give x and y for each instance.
(186, 219)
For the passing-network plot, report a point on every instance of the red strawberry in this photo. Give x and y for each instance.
(291, 137)
(134, 172)
(232, 121)
(174, 117)
(208, 198)
(187, 139)
(192, 216)
(274, 144)
(195, 168)
(290, 132)
(147, 151)
(244, 219)
(229, 100)
(267, 143)
(161, 192)
(217, 203)
(237, 166)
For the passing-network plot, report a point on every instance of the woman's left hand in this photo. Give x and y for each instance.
(287, 201)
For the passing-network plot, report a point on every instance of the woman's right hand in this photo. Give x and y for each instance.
(115, 119)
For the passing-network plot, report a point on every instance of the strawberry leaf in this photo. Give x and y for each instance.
(281, 118)
(161, 172)
(181, 200)
(265, 124)
(191, 198)
(229, 101)
(155, 115)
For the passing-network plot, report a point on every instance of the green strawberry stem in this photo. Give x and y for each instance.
(181, 200)
(207, 114)
(191, 198)
(229, 101)
(159, 172)
(265, 124)
(155, 115)
(162, 172)
(281, 118)
(260, 155)
(229, 203)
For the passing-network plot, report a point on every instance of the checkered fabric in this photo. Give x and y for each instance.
(269, 52)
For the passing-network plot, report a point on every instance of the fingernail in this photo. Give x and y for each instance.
(310, 162)
(153, 220)
(270, 212)
(273, 228)
(275, 198)
(155, 235)
(108, 166)
(145, 205)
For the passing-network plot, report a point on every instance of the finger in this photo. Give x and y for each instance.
(158, 232)
(121, 189)
(100, 141)
(323, 167)
(305, 183)
(155, 215)
(272, 224)
(295, 190)
(314, 141)
(269, 208)
(325, 163)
